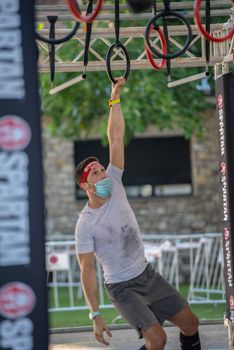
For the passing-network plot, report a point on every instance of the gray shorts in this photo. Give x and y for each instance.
(146, 299)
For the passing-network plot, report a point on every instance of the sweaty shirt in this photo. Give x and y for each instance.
(112, 233)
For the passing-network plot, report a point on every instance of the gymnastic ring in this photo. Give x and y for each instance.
(108, 61)
(164, 50)
(197, 18)
(60, 40)
(75, 10)
(153, 22)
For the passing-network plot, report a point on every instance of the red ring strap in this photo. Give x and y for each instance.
(164, 50)
(197, 18)
(77, 14)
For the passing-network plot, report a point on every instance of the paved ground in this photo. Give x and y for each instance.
(213, 337)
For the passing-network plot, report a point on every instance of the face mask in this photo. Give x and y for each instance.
(103, 188)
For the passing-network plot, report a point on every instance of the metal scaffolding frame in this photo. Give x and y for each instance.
(219, 52)
(107, 12)
(129, 36)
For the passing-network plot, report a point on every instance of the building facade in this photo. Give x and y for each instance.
(198, 211)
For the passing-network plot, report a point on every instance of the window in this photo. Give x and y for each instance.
(158, 166)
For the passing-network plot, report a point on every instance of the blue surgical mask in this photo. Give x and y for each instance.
(103, 188)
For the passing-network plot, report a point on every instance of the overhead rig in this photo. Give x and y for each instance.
(170, 34)
(132, 36)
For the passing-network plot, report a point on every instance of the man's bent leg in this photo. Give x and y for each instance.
(188, 323)
(155, 337)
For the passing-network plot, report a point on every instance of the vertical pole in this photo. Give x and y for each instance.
(23, 296)
(225, 120)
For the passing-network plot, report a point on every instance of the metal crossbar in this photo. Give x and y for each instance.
(187, 6)
(133, 37)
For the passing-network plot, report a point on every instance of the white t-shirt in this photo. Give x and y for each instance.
(113, 234)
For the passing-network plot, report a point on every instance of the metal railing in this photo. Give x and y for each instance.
(192, 259)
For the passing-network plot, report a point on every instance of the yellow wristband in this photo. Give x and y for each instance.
(114, 102)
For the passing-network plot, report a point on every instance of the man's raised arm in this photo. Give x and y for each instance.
(116, 126)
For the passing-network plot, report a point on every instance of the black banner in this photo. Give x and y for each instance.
(225, 120)
(23, 295)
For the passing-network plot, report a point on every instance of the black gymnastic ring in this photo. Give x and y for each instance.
(60, 40)
(108, 61)
(152, 22)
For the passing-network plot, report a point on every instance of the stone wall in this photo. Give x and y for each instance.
(61, 206)
(198, 212)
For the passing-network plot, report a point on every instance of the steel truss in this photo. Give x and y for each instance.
(133, 37)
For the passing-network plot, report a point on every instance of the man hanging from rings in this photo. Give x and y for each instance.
(107, 230)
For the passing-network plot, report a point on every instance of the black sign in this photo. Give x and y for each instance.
(225, 120)
(23, 296)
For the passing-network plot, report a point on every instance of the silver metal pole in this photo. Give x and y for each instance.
(66, 85)
(187, 79)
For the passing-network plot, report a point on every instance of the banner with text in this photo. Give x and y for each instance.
(225, 121)
(23, 295)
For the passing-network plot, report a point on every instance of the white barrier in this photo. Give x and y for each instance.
(200, 256)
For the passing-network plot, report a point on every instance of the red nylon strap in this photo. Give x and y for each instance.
(87, 170)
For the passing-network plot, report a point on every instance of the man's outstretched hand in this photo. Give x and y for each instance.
(117, 87)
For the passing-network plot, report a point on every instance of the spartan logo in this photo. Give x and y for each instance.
(231, 302)
(220, 101)
(223, 168)
(226, 233)
(16, 300)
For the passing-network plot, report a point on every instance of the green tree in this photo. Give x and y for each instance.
(146, 100)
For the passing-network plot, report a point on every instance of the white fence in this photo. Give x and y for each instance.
(195, 259)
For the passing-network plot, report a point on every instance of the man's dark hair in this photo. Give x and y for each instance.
(80, 167)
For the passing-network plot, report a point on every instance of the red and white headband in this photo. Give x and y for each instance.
(87, 170)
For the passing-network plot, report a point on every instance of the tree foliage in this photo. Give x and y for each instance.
(83, 108)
